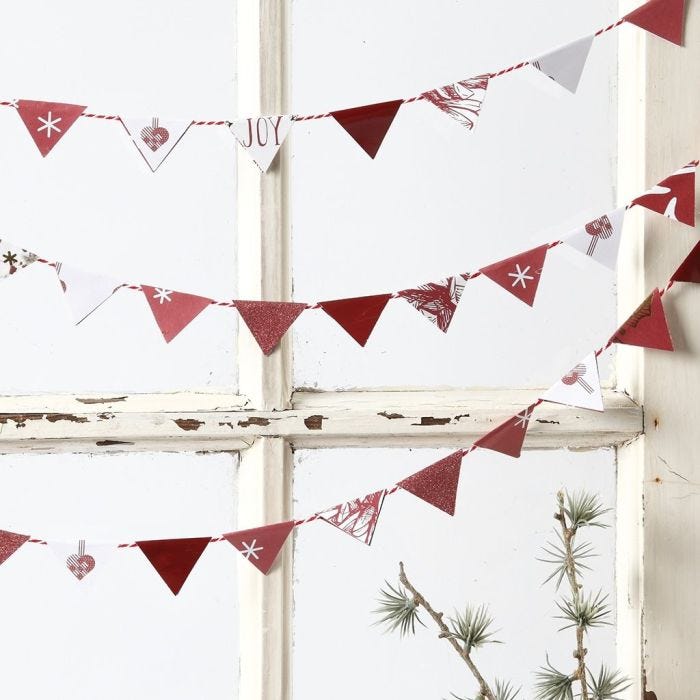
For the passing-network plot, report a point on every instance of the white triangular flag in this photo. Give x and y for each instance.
(84, 291)
(565, 64)
(13, 258)
(155, 137)
(262, 137)
(83, 560)
(579, 387)
(600, 238)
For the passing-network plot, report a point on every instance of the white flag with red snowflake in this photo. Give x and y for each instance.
(600, 239)
(357, 517)
(565, 64)
(437, 301)
(84, 291)
(462, 100)
(262, 137)
(81, 559)
(155, 137)
(13, 258)
(579, 387)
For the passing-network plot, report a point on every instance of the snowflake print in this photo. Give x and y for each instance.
(49, 124)
(10, 258)
(162, 295)
(520, 276)
(250, 550)
(523, 418)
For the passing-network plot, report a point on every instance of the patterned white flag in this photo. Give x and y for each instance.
(154, 137)
(82, 560)
(565, 65)
(84, 291)
(600, 238)
(579, 387)
(262, 137)
(13, 258)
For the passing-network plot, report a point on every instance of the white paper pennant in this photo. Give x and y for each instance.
(83, 561)
(12, 258)
(579, 387)
(84, 291)
(262, 137)
(155, 137)
(600, 239)
(565, 64)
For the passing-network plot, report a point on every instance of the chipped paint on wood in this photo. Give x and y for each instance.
(390, 416)
(110, 443)
(189, 423)
(314, 422)
(254, 420)
(431, 420)
(97, 400)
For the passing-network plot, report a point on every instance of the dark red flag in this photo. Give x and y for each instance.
(268, 321)
(437, 484)
(174, 559)
(261, 545)
(358, 316)
(520, 274)
(661, 17)
(10, 542)
(173, 311)
(508, 437)
(368, 124)
(47, 122)
(647, 326)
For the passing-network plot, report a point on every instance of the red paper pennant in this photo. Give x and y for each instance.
(173, 310)
(268, 321)
(437, 484)
(673, 197)
(646, 327)
(10, 542)
(368, 124)
(689, 269)
(358, 316)
(174, 559)
(437, 301)
(661, 17)
(358, 517)
(47, 122)
(520, 275)
(261, 545)
(508, 437)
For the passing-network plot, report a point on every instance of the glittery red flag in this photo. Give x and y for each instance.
(647, 326)
(437, 484)
(10, 542)
(508, 437)
(268, 321)
(358, 316)
(661, 17)
(520, 274)
(673, 197)
(173, 311)
(368, 124)
(261, 545)
(174, 559)
(358, 517)
(47, 122)
(689, 269)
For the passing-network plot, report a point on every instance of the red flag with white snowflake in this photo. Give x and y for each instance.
(10, 542)
(437, 301)
(646, 327)
(508, 437)
(261, 545)
(462, 100)
(357, 517)
(368, 124)
(173, 311)
(520, 274)
(661, 17)
(673, 197)
(437, 484)
(689, 269)
(13, 258)
(47, 122)
(174, 559)
(357, 316)
(268, 321)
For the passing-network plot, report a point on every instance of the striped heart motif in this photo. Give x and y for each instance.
(80, 564)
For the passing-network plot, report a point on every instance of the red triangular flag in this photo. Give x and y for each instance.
(520, 275)
(661, 17)
(10, 542)
(174, 559)
(358, 517)
(437, 301)
(173, 310)
(268, 321)
(368, 124)
(47, 122)
(689, 269)
(261, 545)
(437, 484)
(647, 326)
(673, 197)
(508, 437)
(358, 316)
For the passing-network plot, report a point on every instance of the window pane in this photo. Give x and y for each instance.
(485, 554)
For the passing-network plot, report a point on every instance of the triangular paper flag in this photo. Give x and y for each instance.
(10, 542)
(358, 316)
(47, 122)
(368, 124)
(358, 517)
(508, 437)
(437, 484)
(647, 326)
(174, 559)
(79, 559)
(661, 17)
(579, 387)
(462, 100)
(520, 275)
(262, 137)
(261, 545)
(437, 301)
(689, 269)
(565, 64)
(673, 197)
(84, 291)
(600, 239)
(173, 310)
(155, 137)
(268, 321)
(13, 258)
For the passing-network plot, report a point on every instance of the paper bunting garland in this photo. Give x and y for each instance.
(565, 65)
(10, 542)
(172, 310)
(661, 17)
(520, 275)
(80, 559)
(437, 301)
(508, 437)
(47, 122)
(358, 517)
(600, 239)
(268, 321)
(689, 269)
(674, 196)
(646, 327)
(261, 545)
(357, 316)
(83, 291)
(262, 137)
(579, 387)
(437, 484)
(174, 559)
(462, 101)
(368, 124)
(13, 258)
(155, 137)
